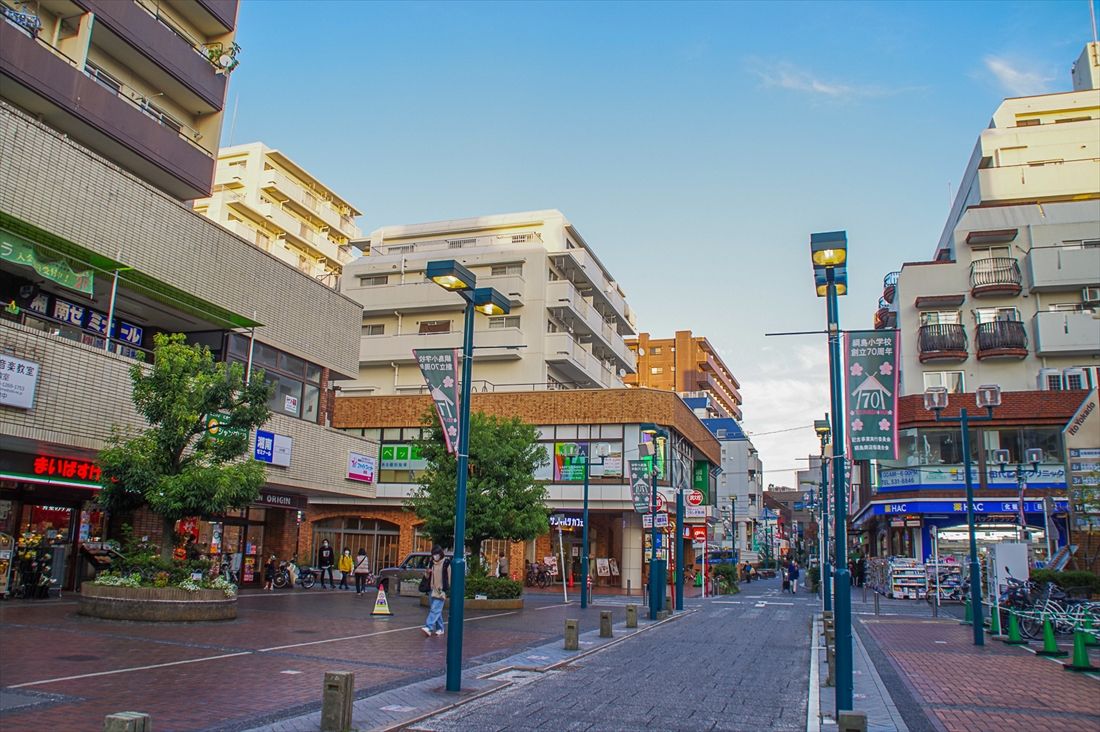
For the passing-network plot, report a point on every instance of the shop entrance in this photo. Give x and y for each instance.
(378, 538)
(234, 543)
(49, 532)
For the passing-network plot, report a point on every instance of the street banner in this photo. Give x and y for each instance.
(639, 485)
(871, 386)
(439, 366)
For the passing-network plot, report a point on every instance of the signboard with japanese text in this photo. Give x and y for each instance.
(440, 369)
(871, 392)
(700, 478)
(18, 381)
(17, 250)
(404, 456)
(639, 485)
(360, 467)
(272, 448)
(1081, 438)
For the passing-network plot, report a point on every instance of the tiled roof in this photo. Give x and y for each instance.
(1018, 408)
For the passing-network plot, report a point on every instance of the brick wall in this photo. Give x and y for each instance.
(52, 183)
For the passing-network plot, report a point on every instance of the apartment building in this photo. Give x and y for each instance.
(685, 364)
(1011, 296)
(565, 419)
(568, 318)
(265, 197)
(739, 491)
(140, 82)
(85, 286)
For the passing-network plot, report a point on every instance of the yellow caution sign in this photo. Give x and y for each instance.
(381, 606)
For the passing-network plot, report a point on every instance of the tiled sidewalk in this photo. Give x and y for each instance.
(965, 688)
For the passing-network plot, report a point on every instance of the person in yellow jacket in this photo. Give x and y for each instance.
(345, 564)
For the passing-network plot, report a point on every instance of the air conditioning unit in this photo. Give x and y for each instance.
(1050, 380)
(1074, 379)
(1091, 295)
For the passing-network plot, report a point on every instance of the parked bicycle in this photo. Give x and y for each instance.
(307, 577)
(538, 575)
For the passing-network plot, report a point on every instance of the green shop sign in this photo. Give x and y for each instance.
(21, 251)
(700, 479)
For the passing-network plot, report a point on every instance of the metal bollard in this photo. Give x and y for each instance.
(572, 635)
(128, 722)
(605, 623)
(628, 588)
(830, 660)
(876, 603)
(851, 721)
(645, 594)
(935, 607)
(632, 616)
(864, 593)
(336, 700)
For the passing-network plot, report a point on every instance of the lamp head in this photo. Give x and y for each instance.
(450, 275)
(1001, 457)
(988, 396)
(821, 427)
(840, 279)
(935, 398)
(602, 449)
(829, 248)
(1034, 455)
(490, 302)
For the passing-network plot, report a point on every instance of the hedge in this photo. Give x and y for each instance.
(495, 588)
(1068, 580)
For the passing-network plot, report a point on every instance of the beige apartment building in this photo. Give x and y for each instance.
(566, 328)
(265, 197)
(85, 286)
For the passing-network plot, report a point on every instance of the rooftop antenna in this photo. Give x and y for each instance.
(233, 122)
(1092, 16)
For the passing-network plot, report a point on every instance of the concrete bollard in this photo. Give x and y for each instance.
(830, 660)
(827, 614)
(572, 635)
(851, 721)
(336, 698)
(128, 722)
(876, 603)
(632, 616)
(605, 623)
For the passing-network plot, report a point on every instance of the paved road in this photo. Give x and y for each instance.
(740, 663)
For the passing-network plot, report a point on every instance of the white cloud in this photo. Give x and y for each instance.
(788, 76)
(1014, 79)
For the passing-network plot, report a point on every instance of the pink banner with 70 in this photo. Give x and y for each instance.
(871, 390)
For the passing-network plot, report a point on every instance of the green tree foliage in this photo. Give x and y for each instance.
(503, 499)
(175, 466)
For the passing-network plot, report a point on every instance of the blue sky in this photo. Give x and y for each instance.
(695, 146)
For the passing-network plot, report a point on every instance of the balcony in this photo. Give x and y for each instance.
(308, 204)
(566, 302)
(1066, 333)
(297, 231)
(995, 276)
(423, 296)
(1001, 339)
(890, 287)
(49, 85)
(491, 345)
(942, 342)
(1051, 269)
(587, 276)
(574, 361)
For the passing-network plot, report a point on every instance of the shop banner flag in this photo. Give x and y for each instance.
(871, 387)
(639, 485)
(440, 369)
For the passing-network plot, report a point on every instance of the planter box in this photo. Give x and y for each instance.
(155, 604)
(512, 604)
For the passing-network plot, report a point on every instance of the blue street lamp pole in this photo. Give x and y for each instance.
(680, 537)
(825, 564)
(584, 534)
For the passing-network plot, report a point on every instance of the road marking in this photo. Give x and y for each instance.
(727, 602)
(370, 635)
(397, 708)
(127, 670)
(560, 604)
(290, 672)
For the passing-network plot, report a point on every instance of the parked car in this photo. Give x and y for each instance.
(411, 568)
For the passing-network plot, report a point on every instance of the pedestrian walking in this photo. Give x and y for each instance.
(502, 566)
(345, 564)
(362, 569)
(326, 558)
(438, 578)
(792, 573)
(269, 573)
(861, 570)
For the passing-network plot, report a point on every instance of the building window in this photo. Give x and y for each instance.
(402, 249)
(1081, 244)
(992, 315)
(499, 270)
(374, 280)
(374, 329)
(657, 370)
(552, 327)
(940, 317)
(434, 326)
(656, 351)
(504, 321)
(297, 382)
(950, 380)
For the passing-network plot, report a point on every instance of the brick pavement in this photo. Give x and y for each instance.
(964, 688)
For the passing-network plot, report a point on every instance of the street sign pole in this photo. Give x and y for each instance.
(680, 542)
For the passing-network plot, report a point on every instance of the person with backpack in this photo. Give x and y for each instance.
(437, 583)
(326, 558)
(345, 565)
(362, 571)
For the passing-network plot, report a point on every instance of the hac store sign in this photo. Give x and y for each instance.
(960, 507)
(1047, 476)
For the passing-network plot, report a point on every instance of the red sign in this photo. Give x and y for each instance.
(66, 468)
(694, 498)
(660, 502)
(699, 534)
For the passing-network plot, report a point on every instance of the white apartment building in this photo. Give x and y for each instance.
(567, 324)
(264, 196)
(1012, 294)
(740, 487)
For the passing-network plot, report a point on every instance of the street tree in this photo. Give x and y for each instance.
(504, 501)
(179, 465)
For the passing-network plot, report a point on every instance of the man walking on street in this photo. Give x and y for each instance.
(792, 574)
(325, 559)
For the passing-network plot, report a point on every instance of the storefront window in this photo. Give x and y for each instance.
(378, 538)
(931, 447)
(297, 382)
(1019, 440)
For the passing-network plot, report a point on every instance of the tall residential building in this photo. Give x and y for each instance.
(568, 320)
(687, 365)
(264, 196)
(97, 255)
(1010, 297)
(140, 82)
(739, 494)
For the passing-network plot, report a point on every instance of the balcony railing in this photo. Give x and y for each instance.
(1006, 338)
(995, 275)
(942, 342)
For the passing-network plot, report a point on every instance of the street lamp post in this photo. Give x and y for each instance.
(657, 588)
(987, 397)
(829, 253)
(821, 427)
(603, 449)
(452, 276)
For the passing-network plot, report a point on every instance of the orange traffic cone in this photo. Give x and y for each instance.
(381, 605)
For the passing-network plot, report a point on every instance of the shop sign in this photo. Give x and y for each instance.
(911, 522)
(699, 534)
(404, 456)
(360, 467)
(700, 477)
(18, 250)
(983, 506)
(662, 520)
(639, 485)
(1049, 475)
(18, 381)
(695, 512)
(871, 385)
(272, 448)
(439, 367)
(46, 465)
(218, 426)
(1083, 459)
(694, 498)
(565, 521)
(281, 500)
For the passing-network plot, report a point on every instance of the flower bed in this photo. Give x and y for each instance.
(156, 604)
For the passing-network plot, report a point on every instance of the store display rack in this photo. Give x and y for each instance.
(950, 585)
(908, 580)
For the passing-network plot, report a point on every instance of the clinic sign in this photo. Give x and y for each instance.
(1048, 475)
